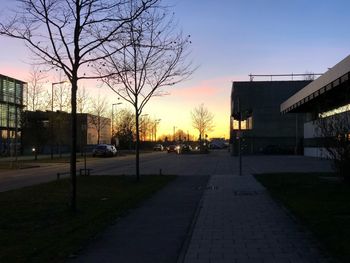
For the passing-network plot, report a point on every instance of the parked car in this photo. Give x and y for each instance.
(173, 149)
(185, 148)
(158, 147)
(104, 150)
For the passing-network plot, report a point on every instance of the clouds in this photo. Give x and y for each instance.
(206, 88)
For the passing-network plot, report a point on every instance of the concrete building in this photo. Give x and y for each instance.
(50, 131)
(11, 105)
(262, 127)
(326, 97)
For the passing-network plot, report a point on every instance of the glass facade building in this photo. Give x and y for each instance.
(11, 106)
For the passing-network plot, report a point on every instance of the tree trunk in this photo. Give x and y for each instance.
(137, 146)
(73, 167)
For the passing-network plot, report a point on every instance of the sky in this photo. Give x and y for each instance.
(230, 39)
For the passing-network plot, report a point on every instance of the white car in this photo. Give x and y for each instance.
(104, 150)
(158, 147)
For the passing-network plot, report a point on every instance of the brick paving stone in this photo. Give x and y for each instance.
(239, 222)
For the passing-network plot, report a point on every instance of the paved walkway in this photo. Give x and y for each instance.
(236, 220)
(239, 222)
(152, 233)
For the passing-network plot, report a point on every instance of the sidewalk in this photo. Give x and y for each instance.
(153, 232)
(239, 222)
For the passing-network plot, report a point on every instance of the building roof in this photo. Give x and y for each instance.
(328, 81)
(8, 77)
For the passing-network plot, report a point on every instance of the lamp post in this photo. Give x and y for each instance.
(143, 126)
(52, 86)
(155, 128)
(114, 104)
(240, 137)
(51, 122)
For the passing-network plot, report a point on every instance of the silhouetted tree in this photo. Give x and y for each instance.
(309, 75)
(125, 128)
(180, 135)
(98, 119)
(83, 99)
(62, 97)
(202, 120)
(334, 132)
(68, 35)
(35, 90)
(154, 58)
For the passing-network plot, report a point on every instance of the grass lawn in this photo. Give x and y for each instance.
(321, 204)
(37, 226)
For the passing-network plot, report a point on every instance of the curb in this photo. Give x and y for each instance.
(186, 243)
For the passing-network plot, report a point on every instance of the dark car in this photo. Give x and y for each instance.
(104, 150)
(185, 148)
(173, 149)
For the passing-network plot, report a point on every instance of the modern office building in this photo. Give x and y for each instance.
(51, 131)
(326, 98)
(263, 129)
(11, 106)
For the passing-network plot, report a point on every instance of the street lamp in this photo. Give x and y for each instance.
(51, 122)
(52, 86)
(114, 104)
(143, 126)
(155, 128)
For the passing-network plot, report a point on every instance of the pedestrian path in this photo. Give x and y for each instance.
(239, 222)
(153, 232)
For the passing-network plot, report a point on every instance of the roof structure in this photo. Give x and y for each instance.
(331, 82)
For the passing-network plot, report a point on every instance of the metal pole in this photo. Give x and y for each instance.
(240, 138)
(112, 120)
(85, 160)
(296, 133)
(114, 104)
(51, 122)
(155, 129)
(52, 84)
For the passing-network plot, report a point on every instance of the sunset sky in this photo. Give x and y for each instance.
(231, 39)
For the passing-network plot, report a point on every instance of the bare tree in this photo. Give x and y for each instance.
(68, 34)
(180, 135)
(98, 119)
(334, 132)
(83, 98)
(35, 90)
(202, 120)
(309, 75)
(153, 59)
(125, 128)
(61, 97)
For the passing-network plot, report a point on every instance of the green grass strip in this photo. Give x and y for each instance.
(321, 202)
(36, 224)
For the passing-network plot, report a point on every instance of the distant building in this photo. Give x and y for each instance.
(51, 131)
(11, 105)
(263, 128)
(325, 97)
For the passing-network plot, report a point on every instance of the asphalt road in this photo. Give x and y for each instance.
(217, 162)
